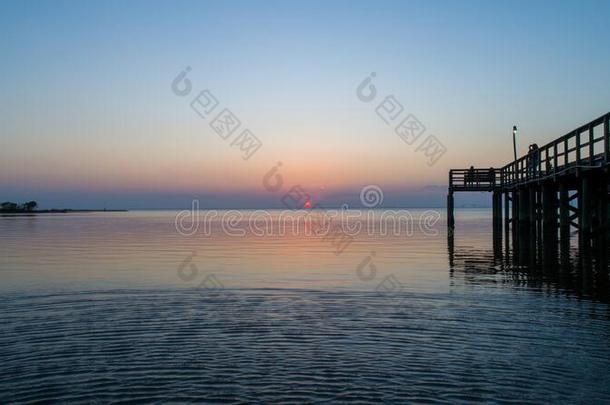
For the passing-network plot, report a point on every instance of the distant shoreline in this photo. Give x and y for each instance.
(55, 211)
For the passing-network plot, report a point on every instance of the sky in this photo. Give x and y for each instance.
(89, 117)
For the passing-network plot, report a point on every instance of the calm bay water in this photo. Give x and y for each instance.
(111, 307)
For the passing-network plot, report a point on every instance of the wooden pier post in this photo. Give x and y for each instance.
(506, 219)
(549, 225)
(515, 221)
(585, 211)
(524, 224)
(450, 218)
(497, 222)
(533, 223)
(497, 211)
(539, 219)
(564, 222)
(600, 230)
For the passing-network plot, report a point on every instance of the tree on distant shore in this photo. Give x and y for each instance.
(11, 206)
(8, 206)
(30, 205)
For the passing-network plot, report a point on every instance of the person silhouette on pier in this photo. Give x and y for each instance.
(469, 176)
(533, 157)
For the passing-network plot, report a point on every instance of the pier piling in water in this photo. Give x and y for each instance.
(450, 218)
(497, 211)
(549, 223)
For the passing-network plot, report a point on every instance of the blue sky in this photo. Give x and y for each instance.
(88, 119)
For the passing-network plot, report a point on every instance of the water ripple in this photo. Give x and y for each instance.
(295, 346)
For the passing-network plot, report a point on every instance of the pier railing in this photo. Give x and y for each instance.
(474, 179)
(585, 147)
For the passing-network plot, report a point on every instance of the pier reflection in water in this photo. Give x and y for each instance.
(581, 272)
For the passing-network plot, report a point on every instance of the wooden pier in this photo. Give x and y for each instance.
(544, 197)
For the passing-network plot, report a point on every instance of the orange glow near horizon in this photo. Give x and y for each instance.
(214, 171)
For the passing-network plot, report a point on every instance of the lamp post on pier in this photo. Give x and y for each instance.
(515, 141)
